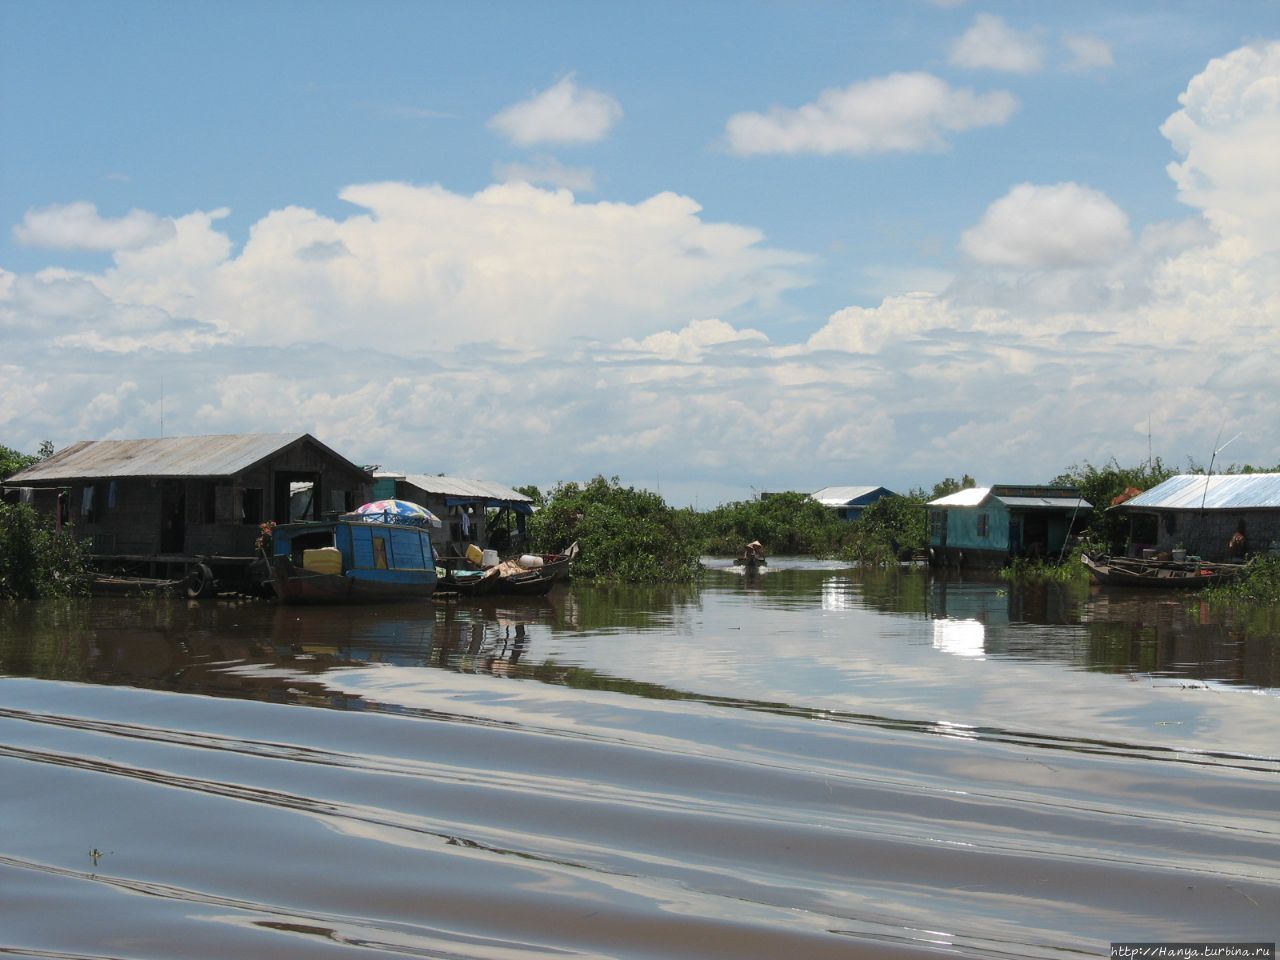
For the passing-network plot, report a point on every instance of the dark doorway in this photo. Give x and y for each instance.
(281, 496)
(173, 516)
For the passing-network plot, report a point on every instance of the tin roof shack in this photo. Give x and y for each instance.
(1223, 517)
(478, 512)
(849, 502)
(170, 500)
(988, 526)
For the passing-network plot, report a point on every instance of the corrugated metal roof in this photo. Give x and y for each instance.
(1240, 491)
(1057, 503)
(962, 498)
(840, 496)
(216, 456)
(974, 496)
(460, 487)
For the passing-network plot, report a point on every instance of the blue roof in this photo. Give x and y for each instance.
(1191, 491)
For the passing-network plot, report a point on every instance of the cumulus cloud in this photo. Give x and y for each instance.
(692, 343)
(902, 112)
(991, 44)
(563, 113)
(1058, 225)
(607, 306)
(1228, 132)
(1087, 52)
(512, 264)
(79, 226)
(548, 171)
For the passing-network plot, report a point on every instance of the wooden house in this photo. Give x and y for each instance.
(1222, 517)
(849, 502)
(188, 496)
(988, 526)
(479, 512)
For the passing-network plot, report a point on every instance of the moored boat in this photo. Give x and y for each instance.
(1169, 574)
(353, 559)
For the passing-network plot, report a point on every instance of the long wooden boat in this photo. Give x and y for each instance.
(350, 560)
(1168, 574)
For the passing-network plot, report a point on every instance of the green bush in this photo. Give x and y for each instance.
(37, 561)
(891, 529)
(623, 534)
(1260, 584)
(786, 523)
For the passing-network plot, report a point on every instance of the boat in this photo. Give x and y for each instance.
(524, 577)
(752, 557)
(466, 582)
(1170, 574)
(356, 557)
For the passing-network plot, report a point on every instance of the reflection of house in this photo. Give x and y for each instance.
(1205, 513)
(476, 512)
(188, 495)
(849, 502)
(986, 526)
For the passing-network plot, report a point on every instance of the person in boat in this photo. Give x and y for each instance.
(753, 552)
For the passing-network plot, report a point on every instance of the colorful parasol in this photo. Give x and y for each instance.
(397, 511)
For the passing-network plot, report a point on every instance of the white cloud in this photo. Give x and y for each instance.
(1228, 132)
(1087, 52)
(548, 171)
(991, 44)
(563, 113)
(1059, 225)
(78, 226)
(691, 343)
(353, 329)
(902, 112)
(427, 269)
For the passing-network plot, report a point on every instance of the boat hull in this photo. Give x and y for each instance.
(294, 584)
(1166, 575)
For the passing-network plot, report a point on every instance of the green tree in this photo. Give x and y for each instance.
(1106, 487)
(624, 534)
(11, 461)
(944, 488)
(786, 523)
(889, 530)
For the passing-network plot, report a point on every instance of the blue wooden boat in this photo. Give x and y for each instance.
(351, 560)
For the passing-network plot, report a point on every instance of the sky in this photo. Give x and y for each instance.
(711, 248)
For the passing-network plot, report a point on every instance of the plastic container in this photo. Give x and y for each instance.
(489, 559)
(474, 553)
(322, 560)
(530, 562)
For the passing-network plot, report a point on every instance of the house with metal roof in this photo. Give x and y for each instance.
(988, 526)
(1215, 517)
(849, 502)
(479, 512)
(187, 497)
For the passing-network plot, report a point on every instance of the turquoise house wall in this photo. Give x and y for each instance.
(962, 527)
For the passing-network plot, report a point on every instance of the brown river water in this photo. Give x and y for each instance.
(809, 763)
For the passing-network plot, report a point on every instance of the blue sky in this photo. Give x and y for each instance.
(706, 247)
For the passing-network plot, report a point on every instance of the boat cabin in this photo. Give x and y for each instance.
(988, 526)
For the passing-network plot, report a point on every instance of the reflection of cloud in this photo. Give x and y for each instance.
(960, 638)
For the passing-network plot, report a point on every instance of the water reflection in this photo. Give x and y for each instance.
(800, 634)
